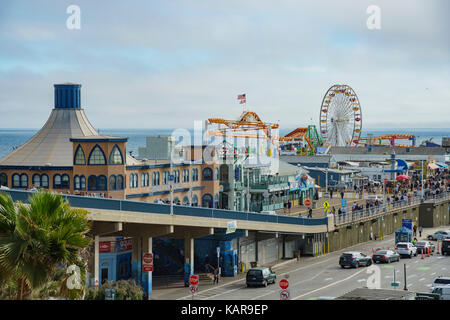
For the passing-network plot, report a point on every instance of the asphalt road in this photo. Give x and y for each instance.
(318, 277)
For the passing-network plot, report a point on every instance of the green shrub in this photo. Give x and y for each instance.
(125, 290)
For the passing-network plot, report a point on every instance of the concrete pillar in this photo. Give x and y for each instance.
(96, 261)
(147, 276)
(188, 258)
(136, 268)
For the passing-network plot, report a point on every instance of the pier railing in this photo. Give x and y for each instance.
(374, 211)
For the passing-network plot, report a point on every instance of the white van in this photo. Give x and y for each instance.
(444, 292)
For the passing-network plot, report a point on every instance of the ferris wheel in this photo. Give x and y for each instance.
(340, 117)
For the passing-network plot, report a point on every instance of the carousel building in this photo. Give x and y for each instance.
(69, 156)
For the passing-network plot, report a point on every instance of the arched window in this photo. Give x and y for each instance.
(216, 174)
(185, 175)
(142, 179)
(157, 178)
(83, 182)
(79, 156)
(65, 181)
(177, 176)
(44, 181)
(3, 179)
(112, 182)
(56, 181)
(16, 180)
(194, 200)
(207, 201)
(101, 182)
(176, 200)
(185, 200)
(207, 174)
(92, 183)
(37, 180)
(97, 156)
(165, 177)
(76, 183)
(216, 201)
(119, 182)
(23, 180)
(116, 156)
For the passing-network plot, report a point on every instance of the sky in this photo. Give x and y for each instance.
(164, 64)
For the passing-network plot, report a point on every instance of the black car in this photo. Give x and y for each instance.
(386, 256)
(445, 247)
(354, 260)
(422, 245)
(261, 276)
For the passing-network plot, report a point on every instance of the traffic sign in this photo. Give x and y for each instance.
(171, 177)
(407, 223)
(284, 284)
(395, 284)
(307, 202)
(148, 258)
(326, 204)
(147, 268)
(193, 289)
(284, 295)
(343, 202)
(193, 280)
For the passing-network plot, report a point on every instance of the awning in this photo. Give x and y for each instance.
(433, 166)
(442, 165)
(316, 186)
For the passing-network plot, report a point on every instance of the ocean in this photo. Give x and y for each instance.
(10, 138)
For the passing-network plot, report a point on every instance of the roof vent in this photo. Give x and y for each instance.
(68, 96)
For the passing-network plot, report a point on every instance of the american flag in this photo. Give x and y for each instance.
(241, 96)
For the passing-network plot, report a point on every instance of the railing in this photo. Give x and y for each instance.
(381, 209)
(146, 207)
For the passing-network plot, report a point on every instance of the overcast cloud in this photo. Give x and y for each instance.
(164, 64)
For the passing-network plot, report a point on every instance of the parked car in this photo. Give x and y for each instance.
(386, 256)
(443, 292)
(422, 245)
(441, 282)
(260, 276)
(443, 234)
(406, 249)
(445, 247)
(354, 259)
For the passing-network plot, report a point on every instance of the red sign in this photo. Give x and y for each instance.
(385, 180)
(126, 244)
(284, 284)
(307, 202)
(193, 280)
(104, 246)
(147, 268)
(148, 258)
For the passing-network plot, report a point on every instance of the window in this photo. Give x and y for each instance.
(142, 179)
(133, 180)
(116, 156)
(76, 183)
(3, 179)
(65, 181)
(56, 181)
(185, 200)
(16, 180)
(216, 174)
(23, 181)
(83, 182)
(112, 182)
(101, 183)
(194, 200)
(44, 181)
(185, 175)
(97, 156)
(165, 177)
(177, 176)
(92, 183)
(119, 182)
(79, 156)
(207, 174)
(195, 174)
(157, 178)
(37, 180)
(207, 201)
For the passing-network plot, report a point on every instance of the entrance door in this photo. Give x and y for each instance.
(104, 276)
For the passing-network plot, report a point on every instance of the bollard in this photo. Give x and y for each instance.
(421, 251)
(431, 251)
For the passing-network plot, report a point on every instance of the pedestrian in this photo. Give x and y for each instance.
(414, 241)
(342, 194)
(216, 275)
(331, 193)
(415, 230)
(420, 231)
(309, 212)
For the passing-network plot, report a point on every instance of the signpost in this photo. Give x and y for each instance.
(307, 202)
(326, 206)
(147, 263)
(231, 227)
(193, 282)
(407, 223)
(284, 294)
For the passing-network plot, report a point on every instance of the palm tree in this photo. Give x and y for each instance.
(39, 238)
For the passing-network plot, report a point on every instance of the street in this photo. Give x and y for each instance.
(314, 278)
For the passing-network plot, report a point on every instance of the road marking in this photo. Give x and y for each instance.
(421, 279)
(444, 269)
(412, 276)
(409, 285)
(423, 268)
(387, 277)
(428, 285)
(361, 280)
(433, 273)
(271, 291)
(328, 279)
(329, 285)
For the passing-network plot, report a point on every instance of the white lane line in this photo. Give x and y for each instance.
(387, 277)
(271, 291)
(421, 279)
(361, 280)
(328, 279)
(329, 285)
(409, 285)
(444, 268)
(433, 273)
(412, 276)
(219, 294)
(428, 285)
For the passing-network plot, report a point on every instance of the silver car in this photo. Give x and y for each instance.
(406, 249)
(441, 234)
